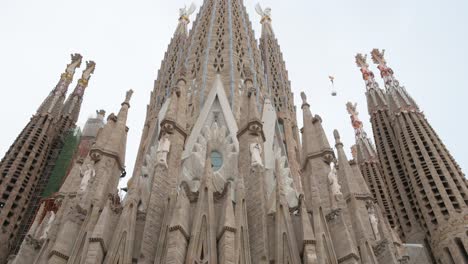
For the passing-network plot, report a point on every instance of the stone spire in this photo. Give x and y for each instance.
(393, 167)
(355, 188)
(26, 161)
(166, 80)
(72, 106)
(222, 42)
(316, 152)
(398, 97)
(436, 181)
(376, 99)
(54, 102)
(279, 91)
(367, 159)
(111, 140)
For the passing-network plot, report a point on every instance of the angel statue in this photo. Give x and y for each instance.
(263, 12)
(373, 220)
(186, 12)
(335, 186)
(86, 175)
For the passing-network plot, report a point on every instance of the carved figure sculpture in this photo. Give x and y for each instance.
(334, 184)
(48, 226)
(263, 12)
(374, 221)
(163, 149)
(86, 175)
(186, 12)
(256, 155)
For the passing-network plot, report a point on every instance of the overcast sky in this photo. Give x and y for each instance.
(426, 43)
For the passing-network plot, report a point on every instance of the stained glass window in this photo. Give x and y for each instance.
(216, 160)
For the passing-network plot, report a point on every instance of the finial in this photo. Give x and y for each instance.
(336, 134)
(361, 61)
(378, 57)
(304, 98)
(75, 63)
(83, 82)
(264, 13)
(128, 97)
(186, 12)
(355, 121)
(101, 113)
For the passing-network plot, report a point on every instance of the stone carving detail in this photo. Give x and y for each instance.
(75, 63)
(163, 149)
(256, 155)
(128, 96)
(265, 13)
(186, 12)
(220, 141)
(335, 186)
(373, 219)
(45, 232)
(367, 75)
(83, 82)
(86, 176)
(304, 98)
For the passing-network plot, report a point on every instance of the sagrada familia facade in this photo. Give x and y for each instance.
(224, 174)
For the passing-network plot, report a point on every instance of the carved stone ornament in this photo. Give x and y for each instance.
(112, 117)
(194, 165)
(96, 156)
(86, 176)
(304, 98)
(256, 155)
(373, 219)
(335, 187)
(333, 215)
(162, 151)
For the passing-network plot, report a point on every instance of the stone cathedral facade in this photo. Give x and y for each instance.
(225, 175)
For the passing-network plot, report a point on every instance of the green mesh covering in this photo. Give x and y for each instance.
(71, 142)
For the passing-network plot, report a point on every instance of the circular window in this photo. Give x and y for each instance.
(216, 160)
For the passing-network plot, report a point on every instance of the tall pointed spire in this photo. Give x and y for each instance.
(354, 187)
(222, 42)
(434, 178)
(112, 139)
(28, 160)
(171, 64)
(388, 153)
(398, 97)
(367, 159)
(279, 91)
(72, 106)
(53, 103)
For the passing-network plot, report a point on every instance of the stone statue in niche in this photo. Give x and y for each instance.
(373, 220)
(86, 176)
(335, 187)
(45, 233)
(256, 155)
(163, 149)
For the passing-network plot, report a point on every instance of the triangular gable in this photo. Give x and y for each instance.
(217, 94)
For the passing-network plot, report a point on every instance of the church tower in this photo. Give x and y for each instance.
(366, 157)
(221, 175)
(65, 125)
(435, 180)
(23, 166)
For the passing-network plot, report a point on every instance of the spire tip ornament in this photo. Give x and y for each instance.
(264, 13)
(76, 59)
(185, 12)
(378, 57)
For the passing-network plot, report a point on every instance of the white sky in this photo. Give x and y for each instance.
(426, 43)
